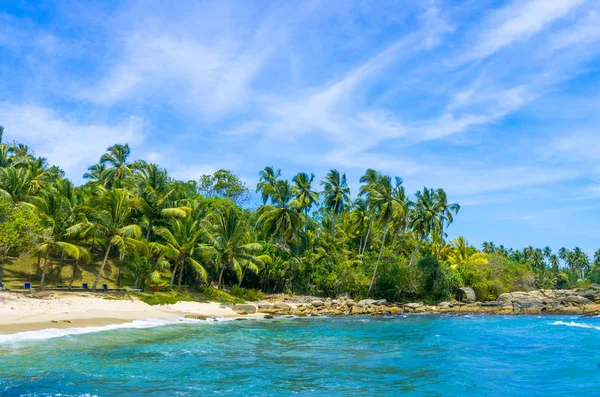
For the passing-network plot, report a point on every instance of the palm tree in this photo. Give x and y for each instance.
(336, 195)
(281, 219)
(118, 168)
(180, 243)
(360, 219)
(303, 191)
(267, 185)
(424, 217)
(488, 247)
(153, 196)
(445, 215)
(369, 180)
(382, 198)
(228, 238)
(109, 217)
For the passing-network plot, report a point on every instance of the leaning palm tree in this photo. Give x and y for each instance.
(118, 169)
(424, 217)
(180, 245)
(382, 198)
(336, 195)
(109, 217)
(227, 237)
(445, 216)
(282, 219)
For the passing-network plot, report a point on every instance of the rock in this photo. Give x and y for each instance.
(527, 304)
(269, 311)
(467, 294)
(381, 302)
(395, 309)
(66, 321)
(413, 306)
(317, 303)
(366, 302)
(268, 316)
(576, 299)
(282, 306)
(241, 319)
(266, 306)
(357, 310)
(591, 310)
(444, 305)
(245, 308)
(195, 317)
(350, 302)
(491, 304)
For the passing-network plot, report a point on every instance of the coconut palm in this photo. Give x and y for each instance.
(424, 217)
(445, 217)
(180, 244)
(109, 217)
(303, 191)
(336, 195)
(117, 169)
(281, 220)
(228, 238)
(368, 180)
(268, 182)
(153, 196)
(382, 199)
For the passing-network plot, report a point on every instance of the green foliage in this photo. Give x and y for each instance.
(224, 184)
(247, 294)
(163, 298)
(438, 281)
(216, 295)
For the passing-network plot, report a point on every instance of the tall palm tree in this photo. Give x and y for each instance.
(303, 191)
(368, 180)
(281, 220)
(360, 219)
(336, 195)
(382, 197)
(180, 244)
(424, 217)
(109, 217)
(268, 182)
(445, 216)
(118, 169)
(227, 236)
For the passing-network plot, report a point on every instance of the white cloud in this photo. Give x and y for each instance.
(62, 139)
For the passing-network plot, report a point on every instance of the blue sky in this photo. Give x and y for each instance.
(496, 102)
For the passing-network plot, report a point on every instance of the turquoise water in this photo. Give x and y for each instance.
(413, 355)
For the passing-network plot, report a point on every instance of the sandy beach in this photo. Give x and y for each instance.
(31, 312)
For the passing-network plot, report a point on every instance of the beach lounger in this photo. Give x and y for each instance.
(84, 286)
(105, 287)
(27, 286)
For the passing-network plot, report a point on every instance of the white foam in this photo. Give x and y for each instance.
(51, 333)
(578, 325)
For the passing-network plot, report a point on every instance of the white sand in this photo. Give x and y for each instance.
(22, 312)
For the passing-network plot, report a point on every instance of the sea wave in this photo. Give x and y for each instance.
(51, 333)
(578, 325)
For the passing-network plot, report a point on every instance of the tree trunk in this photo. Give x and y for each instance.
(414, 255)
(149, 231)
(1, 271)
(174, 273)
(241, 278)
(335, 215)
(102, 267)
(74, 273)
(439, 251)
(378, 259)
(44, 269)
(180, 275)
(220, 276)
(367, 236)
(62, 258)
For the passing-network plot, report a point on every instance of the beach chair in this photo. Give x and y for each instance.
(27, 286)
(105, 287)
(84, 286)
(2, 287)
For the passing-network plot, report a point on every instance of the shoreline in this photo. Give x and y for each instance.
(63, 310)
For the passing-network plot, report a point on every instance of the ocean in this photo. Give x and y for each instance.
(414, 355)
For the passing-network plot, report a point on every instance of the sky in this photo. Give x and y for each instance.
(497, 102)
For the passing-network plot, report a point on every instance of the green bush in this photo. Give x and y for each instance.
(247, 294)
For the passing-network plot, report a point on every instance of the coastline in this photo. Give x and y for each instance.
(66, 310)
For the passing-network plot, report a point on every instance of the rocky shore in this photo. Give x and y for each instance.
(551, 302)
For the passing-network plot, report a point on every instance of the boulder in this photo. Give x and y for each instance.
(357, 310)
(317, 303)
(350, 302)
(367, 302)
(413, 306)
(395, 309)
(195, 317)
(244, 308)
(490, 304)
(282, 306)
(266, 306)
(575, 299)
(467, 294)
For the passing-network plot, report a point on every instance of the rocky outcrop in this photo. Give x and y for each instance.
(586, 302)
(467, 294)
(244, 309)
